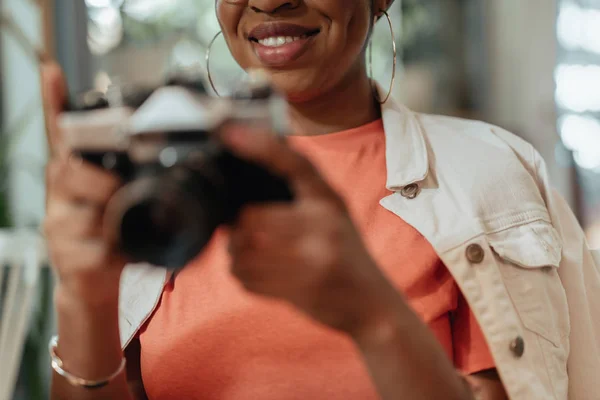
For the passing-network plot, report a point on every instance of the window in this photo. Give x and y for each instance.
(577, 78)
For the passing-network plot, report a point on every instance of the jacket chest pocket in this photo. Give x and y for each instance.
(529, 257)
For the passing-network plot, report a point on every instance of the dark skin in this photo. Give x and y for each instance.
(327, 86)
(329, 275)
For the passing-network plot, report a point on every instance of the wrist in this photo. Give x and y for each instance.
(377, 332)
(78, 294)
(382, 318)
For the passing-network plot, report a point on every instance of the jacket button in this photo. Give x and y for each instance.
(475, 253)
(410, 191)
(517, 347)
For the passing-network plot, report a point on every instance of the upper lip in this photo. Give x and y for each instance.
(275, 29)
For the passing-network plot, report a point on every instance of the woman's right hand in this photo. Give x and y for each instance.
(87, 265)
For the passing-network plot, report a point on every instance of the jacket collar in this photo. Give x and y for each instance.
(406, 151)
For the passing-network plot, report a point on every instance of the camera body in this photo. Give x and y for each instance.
(179, 182)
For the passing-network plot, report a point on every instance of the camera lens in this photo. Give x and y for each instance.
(160, 222)
(155, 232)
(165, 217)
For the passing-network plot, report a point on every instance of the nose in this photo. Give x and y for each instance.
(273, 6)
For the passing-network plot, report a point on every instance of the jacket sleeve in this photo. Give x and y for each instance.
(580, 274)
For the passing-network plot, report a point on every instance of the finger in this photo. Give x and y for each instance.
(54, 87)
(54, 93)
(74, 220)
(55, 168)
(265, 286)
(309, 217)
(274, 218)
(53, 171)
(265, 227)
(319, 250)
(86, 183)
(277, 272)
(273, 153)
(250, 266)
(81, 256)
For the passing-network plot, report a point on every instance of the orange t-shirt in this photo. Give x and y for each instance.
(209, 339)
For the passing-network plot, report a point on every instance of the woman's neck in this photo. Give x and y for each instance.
(348, 105)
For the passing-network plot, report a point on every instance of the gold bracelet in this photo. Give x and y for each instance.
(57, 366)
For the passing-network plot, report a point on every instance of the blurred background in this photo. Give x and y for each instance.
(532, 67)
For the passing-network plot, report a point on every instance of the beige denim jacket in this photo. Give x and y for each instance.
(481, 196)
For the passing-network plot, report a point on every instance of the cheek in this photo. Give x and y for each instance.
(229, 15)
(349, 30)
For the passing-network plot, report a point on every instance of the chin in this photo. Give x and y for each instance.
(298, 86)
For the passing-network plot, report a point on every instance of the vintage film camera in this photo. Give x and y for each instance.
(180, 183)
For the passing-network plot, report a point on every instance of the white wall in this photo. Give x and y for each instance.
(523, 51)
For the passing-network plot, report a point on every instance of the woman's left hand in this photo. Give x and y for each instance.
(307, 252)
(310, 254)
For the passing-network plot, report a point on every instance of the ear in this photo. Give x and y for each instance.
(381, 5)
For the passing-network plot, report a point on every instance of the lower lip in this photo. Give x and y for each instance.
(281, 55)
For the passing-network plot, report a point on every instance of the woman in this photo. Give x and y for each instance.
(420, 258)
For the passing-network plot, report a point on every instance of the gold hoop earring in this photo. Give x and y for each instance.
(395, 56)
(208, 50)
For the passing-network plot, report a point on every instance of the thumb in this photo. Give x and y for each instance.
(54, 95)
(273, 153)
(268, 150)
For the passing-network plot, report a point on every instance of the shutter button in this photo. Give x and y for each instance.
(475, 253)
(410, 191)
(517, 347)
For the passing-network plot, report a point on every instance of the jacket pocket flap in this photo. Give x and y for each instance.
(532, 245)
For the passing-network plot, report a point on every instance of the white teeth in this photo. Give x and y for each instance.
(278, 41)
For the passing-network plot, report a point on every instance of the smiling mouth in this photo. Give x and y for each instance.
(280, 44)
(281, 40)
